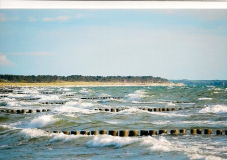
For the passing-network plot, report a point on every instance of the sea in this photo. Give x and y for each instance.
(39, 135)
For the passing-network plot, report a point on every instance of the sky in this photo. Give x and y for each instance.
(168, 43)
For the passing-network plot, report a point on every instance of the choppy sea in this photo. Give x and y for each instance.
(26, 136)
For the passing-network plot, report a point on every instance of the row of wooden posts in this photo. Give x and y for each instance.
(96, 109)
(161, 109)
(63, 102)
(24, 111)
(135, 133)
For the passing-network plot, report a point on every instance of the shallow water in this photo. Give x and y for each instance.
(24, 136)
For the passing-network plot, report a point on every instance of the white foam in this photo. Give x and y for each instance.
(66, 89)
(85, 91)
(107, 140)
(49, 97)
(160, 144)
(64, 138)
(13, 104)
(193, 151)
(137, 95)
(214, 109)
(66, 109)
(166, 114)
(42, 121)
(205, 98)
(217, 89)
(131, 111)
(80, 104)
(137, 102)
(112, 122)
(10, 126)
(33, 133)
(171, 104)
(104, 95)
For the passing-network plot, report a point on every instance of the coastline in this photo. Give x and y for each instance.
(88, 84)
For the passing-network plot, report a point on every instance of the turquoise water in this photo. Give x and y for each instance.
(24, 136)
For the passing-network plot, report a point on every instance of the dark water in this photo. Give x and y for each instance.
(24, 136)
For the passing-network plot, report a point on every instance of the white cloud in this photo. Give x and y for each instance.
(59, 18)
(47, 19)
(31, 54)
(31, 19)
(4, 61)
(63, 18)
(2, 17)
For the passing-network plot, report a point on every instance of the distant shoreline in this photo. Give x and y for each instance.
(89, 84)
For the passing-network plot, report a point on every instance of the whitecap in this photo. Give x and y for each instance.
(66, 89)
(70, 109)
(112, 122)
(204, 98)
(85, 91)
(80, 104)
(137, 95)
(171, 104)
(65, 138)
(42, 121)
(33, 133)
(160, 144)
(107, 140)
(214, 109)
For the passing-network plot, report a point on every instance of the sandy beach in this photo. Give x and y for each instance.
(89, 84)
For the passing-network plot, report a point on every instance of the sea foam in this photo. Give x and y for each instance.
(160, 144)
(64, 138)
(204, 98)
(71, 109)
(137, 95)
(42, 121)
(107, 140)
(214, 109)
(33, 133)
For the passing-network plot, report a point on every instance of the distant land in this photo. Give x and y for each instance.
(201, 82)
(80, 78)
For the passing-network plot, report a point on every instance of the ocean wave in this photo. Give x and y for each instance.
(49, 98)
(80, 104)
(42, 121)
(107, 140)
(112, 122)
(137, 102)
(33, 133)
(64, 138)
(13, 104)
(137, 95)
(85, 91)
(218, 89)
(160, 144)
(66, 89)
(204, 98)
(71, 109)
(193, 151)
(171, 104)
(165, 114)
(214, 109)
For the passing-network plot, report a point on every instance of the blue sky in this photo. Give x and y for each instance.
(173, 44)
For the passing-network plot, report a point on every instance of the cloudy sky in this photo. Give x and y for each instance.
(174, 44)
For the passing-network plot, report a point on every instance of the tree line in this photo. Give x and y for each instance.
(80, 78)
